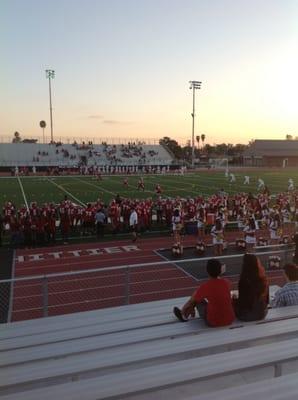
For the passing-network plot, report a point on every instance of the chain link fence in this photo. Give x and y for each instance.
(63, 293)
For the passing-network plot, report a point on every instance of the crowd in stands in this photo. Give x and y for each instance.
(64, 152)
(104, 155)
(111, 153)
(131, 150)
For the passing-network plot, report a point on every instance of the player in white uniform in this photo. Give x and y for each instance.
(261, 184)
(246, 180)
(227, 173)
(232, 178)
(290, 184)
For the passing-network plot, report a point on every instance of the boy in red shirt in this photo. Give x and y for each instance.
(212, 299)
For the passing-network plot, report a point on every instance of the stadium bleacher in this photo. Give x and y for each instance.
(141, 352)
(69, 155)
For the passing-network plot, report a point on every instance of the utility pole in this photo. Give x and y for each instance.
(50, 74)
(194, 85)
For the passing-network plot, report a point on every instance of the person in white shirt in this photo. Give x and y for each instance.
(217, 234)
(275, 230)
(133, 224)
(246, 180)
(177, 225)
(232, 178)
(288, 294)
(261, 184)
(250, 234)
(290, 184)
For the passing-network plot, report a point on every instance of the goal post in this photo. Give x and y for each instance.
(222, 163)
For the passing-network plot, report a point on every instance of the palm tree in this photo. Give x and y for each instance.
(203, 137)
(198, 140)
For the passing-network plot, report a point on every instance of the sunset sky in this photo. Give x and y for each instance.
(123, 66)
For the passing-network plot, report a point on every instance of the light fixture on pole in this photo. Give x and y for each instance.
(50, 74)
(193, 85)
(43, 124)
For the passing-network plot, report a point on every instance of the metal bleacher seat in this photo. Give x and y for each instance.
(141, 352)
(282, 388)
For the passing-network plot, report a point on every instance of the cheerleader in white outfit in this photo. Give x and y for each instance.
(217, 237)
(201, 224)
(275, 229)
(177, 226)
(250, 234)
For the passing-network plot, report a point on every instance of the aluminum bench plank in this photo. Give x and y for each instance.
(157, 346)
(119, 326)
(150, 378)
(281, 388)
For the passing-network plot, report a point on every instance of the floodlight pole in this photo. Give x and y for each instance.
(50, 74)
(193, 85)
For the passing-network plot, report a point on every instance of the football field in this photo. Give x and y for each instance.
(84, 189)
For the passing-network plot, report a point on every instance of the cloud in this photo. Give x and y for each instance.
(95, 116)
(115, 122)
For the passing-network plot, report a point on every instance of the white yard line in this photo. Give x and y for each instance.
(96, 186)
(23, 193)
(67, 192)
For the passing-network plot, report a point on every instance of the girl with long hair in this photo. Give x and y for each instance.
(253, 290)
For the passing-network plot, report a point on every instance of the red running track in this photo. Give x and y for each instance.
(95, 290)
(100, 289)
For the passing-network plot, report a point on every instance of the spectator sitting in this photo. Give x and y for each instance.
(212, 299)
(253, 290)
(288, 294)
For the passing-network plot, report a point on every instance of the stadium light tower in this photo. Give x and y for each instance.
(194, 85)
(50, 74)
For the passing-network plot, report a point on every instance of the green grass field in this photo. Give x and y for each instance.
(82, 190)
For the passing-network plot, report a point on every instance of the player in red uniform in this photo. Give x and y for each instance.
(158, 189)
(191, 210)
(114, 214)
(64, 220)
(8, 212)
(125, 211)
(168, 208)
(88, 219)
(22, 213)
(51, 223)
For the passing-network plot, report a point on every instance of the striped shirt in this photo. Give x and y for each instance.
(286, 296)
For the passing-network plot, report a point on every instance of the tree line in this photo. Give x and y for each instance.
(202, 150)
